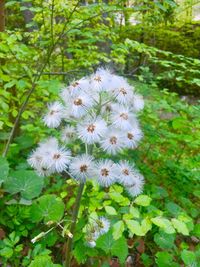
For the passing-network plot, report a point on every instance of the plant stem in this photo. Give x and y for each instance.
(73, 225)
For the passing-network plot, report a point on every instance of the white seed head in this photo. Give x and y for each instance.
(92, 130)
(82, 167)
(106, 173)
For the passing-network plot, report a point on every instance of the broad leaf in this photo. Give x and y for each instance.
(110, 210)
(164, 241)
(143, 200)
(113, 247)
(47, 208)
(164, 224)
(27, 183)
(188, 257)
(180, 227)
(118, 229)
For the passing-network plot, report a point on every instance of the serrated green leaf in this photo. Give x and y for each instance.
(43, 261)
(164, 259)
(113, 247)
(118, 229)
(27, 183)
(110, 210)
(134, 227)
(143, 200)
(6, 252)
(146, 225)
(164, 241)
(47, 208)
(180, 226)
(164, 224)
(135, 212)
(188, 257)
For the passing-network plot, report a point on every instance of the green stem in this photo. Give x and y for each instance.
(73, 225)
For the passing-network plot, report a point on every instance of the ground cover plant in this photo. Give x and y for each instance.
(100, 134)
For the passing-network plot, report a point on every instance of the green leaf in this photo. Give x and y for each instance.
(43, 261)
(47, 208)
(110, 210)
(27, 183)
(135, 212)
(4, 169)
(134, 227)
(180, 226)
(79, 252)
(146, 225)
(120, 249)
(143, 200)
(164, 259)
(118, 229)
(113, 247)
(196, 230)
(188, 257)
(164, 241)
(147, 261)
(164, 224)
(6, 252)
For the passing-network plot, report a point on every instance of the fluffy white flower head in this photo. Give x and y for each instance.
(58, 159)
(123, 92)
(103, 225)
(68, 134)
(136, 186)
(138, 102)
(91, 131)
(105, 172)
(100, 80)
(132, 137)
(112, 142)
(54, 116)
(126, 172)
(122, 118)
(79, 86)
(82, 167)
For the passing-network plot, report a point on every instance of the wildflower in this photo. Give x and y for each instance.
(105, 172)
(126, 172)
(102, 225)
(79, 86)
(122, 118)
(100, 80)
(54, 116)
(132, 137)
(38, 158)
(68, 134)
(92, 130)
(80, 104)
(138, 102)
(135, 186)
(58, 159)
(112, 142)
(81, 167)
(123, 92)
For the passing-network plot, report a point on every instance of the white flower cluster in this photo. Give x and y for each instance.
(96, 229)
(99, 111)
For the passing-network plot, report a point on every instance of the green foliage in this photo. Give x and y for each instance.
(4, 169)
(113, 247)
(27, 183)
(47, 208)
(163, 54)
